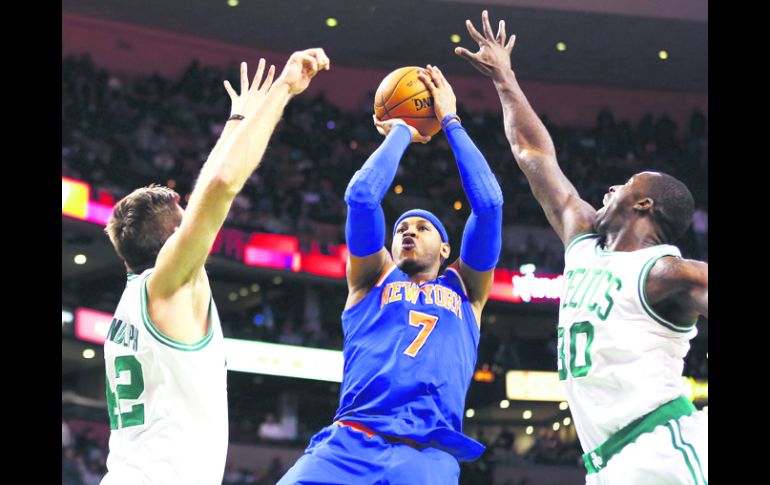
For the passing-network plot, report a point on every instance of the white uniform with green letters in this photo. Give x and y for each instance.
(621, 364)
(167, 401)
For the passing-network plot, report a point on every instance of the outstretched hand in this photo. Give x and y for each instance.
(251, 97)
(384, 127)
(301, 67)
(493, 58)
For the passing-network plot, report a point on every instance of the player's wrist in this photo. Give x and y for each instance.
(449, 119)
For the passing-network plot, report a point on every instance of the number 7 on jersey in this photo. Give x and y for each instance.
(428, 323)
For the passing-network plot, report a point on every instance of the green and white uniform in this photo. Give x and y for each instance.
(621, 364)
(167, 401)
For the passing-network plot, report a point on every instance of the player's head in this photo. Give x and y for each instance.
(141, 223)
(666, 201)
(420, 242)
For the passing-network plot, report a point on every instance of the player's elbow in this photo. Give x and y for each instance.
(491, 204)
(361, 191)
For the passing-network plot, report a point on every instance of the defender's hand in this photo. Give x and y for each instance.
(301, 67)
(493, 58)
(251, 97)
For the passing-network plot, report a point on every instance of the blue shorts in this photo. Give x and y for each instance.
(340, 455)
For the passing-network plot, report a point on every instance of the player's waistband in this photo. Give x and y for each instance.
(597, 459)
(390, 439)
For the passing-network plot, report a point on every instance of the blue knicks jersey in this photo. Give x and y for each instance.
(410, 352)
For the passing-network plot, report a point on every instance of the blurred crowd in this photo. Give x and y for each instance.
(121, 133)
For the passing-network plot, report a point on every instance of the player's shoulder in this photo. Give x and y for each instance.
(680, 271)
(581, 240)
(453, 279)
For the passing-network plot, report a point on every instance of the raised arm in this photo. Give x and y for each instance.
(482, 237)
(229, 165)
(365, 222)
(530, 142)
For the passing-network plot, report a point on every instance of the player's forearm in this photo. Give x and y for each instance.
(525, 132)
(365, 223)
(480, 185)
(482, 238)
(369, 184)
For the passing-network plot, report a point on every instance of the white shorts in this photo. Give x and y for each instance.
(676, 453)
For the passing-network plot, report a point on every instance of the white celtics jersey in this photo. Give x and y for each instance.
(167, 401)
(618, 359)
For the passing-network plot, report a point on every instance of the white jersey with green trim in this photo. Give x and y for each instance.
(618, 359)
(167, 401)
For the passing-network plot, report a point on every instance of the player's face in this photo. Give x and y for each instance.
(614, 206)
(619, 201)
(417, 244)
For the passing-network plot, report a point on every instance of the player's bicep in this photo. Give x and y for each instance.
(362, 273)
(477, 284)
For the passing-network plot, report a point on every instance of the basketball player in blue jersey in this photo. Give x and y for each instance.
(410, 334)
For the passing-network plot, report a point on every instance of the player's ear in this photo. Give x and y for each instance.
(445, 250)
(644, 205)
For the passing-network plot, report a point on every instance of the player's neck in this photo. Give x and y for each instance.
(631, 237)
(423, 276)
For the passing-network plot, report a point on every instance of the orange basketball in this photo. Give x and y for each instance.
(402, 95)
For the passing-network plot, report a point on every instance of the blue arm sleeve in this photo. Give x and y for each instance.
(482, 238)
(365, 223)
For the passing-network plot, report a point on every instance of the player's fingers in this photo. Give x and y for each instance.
(323, 59)
(421, 139)
(258, 74)
(441, 78)
(465, 53)
(244, 77)
(268, 79)
(474, 33)
(501, 32)
(428, 80)
(486, 26)
(311, 62)
(511, 42)
(230, 90)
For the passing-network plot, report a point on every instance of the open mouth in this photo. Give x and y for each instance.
(407, 243)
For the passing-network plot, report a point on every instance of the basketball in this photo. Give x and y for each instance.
(403, 95)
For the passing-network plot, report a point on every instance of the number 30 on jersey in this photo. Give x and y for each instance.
(581, 336)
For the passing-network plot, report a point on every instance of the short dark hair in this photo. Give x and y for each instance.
(141, 223)
(673, 205)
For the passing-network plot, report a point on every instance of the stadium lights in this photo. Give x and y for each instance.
(331, 22)
(563, 405)
(80, 259)
(561, 46)
(530, 429)
(526, 414)
(89, 354)
(505, 404)
(470, 413)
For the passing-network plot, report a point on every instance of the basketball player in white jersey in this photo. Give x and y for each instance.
(164, 354)
(629, 305)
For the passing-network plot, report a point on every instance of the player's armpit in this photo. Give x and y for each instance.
(477, 285)
(362, 274)
(681, 284)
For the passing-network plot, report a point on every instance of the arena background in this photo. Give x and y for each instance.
(142, 102)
